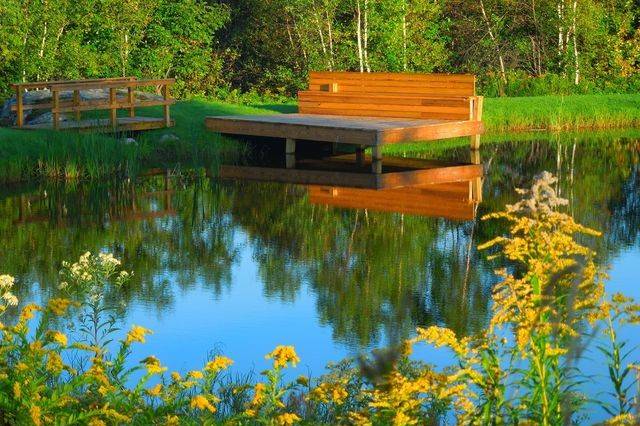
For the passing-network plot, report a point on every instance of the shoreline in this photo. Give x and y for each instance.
(33, 155)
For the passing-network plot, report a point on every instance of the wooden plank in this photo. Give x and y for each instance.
(285, 129)
(131, 100)
(54, 109)
(68, 106)
(76, 103)
(432, 132)
(405, 99)
(19, 107)
(462, 110)
(115, 84)
(113, 117)
(48, 84)
(392, 76)
(429, 91)
(346, 111)
(124, 123)
(166, 112)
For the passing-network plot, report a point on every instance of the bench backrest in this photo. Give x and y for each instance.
(400, 95)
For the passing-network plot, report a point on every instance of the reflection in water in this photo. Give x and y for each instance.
(367, 267)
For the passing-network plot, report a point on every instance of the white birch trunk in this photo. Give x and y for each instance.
(359, 34)
(575, 43)
(366, 35)
(503, 74)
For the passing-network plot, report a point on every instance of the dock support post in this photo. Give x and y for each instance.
(130, 100)
(55, 104)
(290, 152)
(167, 114)
(360, 156)
(376, 159)
(476, 115)
(19, 107)
(113, 112)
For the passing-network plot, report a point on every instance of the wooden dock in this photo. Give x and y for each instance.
(370, 110)
(121, 96)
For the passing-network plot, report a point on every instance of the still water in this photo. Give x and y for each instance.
(238, 267)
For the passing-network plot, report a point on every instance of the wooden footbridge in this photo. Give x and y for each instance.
(121, 96)
(370, 110)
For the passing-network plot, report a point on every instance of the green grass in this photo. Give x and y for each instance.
(28, 155)
(562, 112)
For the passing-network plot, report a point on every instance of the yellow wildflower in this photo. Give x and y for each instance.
(96, 422)
(195, 374)
(137, 334)
(28, 312)
(54, 363)
(35, 414)
(156, 390)
(200, 402)
(153, 365)
(59, 338)
(287, 419)
(21, 366)
(283, 355)
(172, 420)
(17, 390)
(218, 364)
(258, 394)
(175, 376)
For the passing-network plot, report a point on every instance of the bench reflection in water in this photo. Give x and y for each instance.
(408, 186)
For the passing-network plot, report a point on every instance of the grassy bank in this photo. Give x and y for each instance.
(46, 154)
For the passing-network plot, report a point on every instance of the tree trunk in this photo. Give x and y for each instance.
(503, 74)
(330, 34)
(359, 34)
(366, 35)
(575, 43)
(404, 35)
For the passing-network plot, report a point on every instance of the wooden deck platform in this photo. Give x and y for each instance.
(367, 131)
(346, 172)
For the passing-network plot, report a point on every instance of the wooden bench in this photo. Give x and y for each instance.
(370, 110)
(113, 103)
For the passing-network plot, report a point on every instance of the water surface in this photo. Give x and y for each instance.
(239, 267)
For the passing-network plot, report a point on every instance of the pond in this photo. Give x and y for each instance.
(238, 267)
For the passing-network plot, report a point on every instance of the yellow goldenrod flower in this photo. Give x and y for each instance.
(218, 364)
(137, 334)
(35, 414)
(195, 374)
(96, 422)
(28, 312)
(172, 420)
(17, 390)
(59, 338)
(283, 355)
(54, 363)
(287, 419)
(258, 394)
(200, 402)
(175, 376)
(156, 390)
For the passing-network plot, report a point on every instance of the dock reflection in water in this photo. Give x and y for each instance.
(408, 186)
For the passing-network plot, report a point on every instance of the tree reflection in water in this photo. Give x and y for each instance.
(375, 276)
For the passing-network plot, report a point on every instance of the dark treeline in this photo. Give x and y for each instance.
(517, 47)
